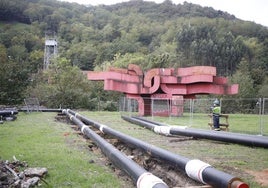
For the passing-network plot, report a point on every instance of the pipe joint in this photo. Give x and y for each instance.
(164, 130)
(102, 127)
(148, 180)
(71, 117)
(83, 128)
(76, 114)
(194, 169)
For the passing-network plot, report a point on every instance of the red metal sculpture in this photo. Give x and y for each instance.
(164, 83)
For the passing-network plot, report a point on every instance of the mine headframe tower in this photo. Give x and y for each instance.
(51, 49)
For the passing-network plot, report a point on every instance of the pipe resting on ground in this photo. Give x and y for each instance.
(243, 139)
(142, 178)
(204, 173)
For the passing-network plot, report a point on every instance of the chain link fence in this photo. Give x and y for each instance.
(248, 116)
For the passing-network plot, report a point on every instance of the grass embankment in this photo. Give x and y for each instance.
(42, 142)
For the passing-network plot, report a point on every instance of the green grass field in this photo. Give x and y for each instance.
(41, 141)
(240, 123)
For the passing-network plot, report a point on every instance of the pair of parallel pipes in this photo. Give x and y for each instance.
(139, 175)
(243, 139)
(195, 169)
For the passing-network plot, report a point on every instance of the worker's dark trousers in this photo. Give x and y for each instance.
(216, 121)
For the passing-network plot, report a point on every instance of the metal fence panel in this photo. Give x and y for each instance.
(244, 115)
(128, 106)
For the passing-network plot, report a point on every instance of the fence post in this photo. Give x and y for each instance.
(152, 108)
(191, 111)
(259, 103)
(262, 115)
(169, 107)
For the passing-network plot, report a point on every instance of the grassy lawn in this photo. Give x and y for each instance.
(240, 123)
(41, 141)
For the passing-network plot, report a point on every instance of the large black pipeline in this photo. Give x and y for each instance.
(142, 178)
(195, 168)
(243, 139)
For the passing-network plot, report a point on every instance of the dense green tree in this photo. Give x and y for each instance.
(83, 56)
(246, 83)
(140, 32)
(13, 11)
(203, 45)
(62, 85)
(13, 80)
(3, 54)
(36, 60)
(38, 12)
(122, 61)
(246, 89)
(263, 91)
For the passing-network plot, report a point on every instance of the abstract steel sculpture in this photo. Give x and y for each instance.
(173, 84)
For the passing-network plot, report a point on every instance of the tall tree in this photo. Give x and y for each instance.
(13, 80)
(62, 85)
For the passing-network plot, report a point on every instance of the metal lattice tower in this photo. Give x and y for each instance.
(51, 50)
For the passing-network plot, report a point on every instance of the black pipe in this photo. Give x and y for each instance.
(151, 149)
(149, 121)
(138, 174)
(195, 169)
(41, 110)
(243, 139)
(8, 112)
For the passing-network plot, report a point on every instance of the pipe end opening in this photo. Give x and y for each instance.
(239, 184)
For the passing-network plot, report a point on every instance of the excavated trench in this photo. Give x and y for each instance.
(171, 176)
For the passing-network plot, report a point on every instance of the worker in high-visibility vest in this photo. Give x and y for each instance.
(216, 111)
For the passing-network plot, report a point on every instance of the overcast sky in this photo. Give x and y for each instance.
(250, 10)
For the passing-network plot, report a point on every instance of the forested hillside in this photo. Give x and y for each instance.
(144, 33)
